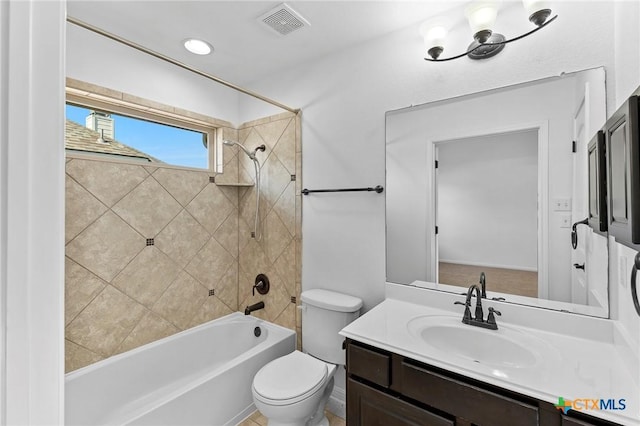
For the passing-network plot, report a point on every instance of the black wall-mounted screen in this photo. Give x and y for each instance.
(598, 184)
(623, 163)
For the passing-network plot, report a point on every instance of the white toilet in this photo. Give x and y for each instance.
(294, 389)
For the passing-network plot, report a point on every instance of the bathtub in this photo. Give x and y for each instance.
(201, 376)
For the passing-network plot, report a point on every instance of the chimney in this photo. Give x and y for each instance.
(102, 123)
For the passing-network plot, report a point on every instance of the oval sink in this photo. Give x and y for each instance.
(505, 347)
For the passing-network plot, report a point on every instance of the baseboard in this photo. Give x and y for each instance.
(242, 416)
(337, 403)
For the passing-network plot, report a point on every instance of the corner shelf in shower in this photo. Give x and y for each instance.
(240, 184)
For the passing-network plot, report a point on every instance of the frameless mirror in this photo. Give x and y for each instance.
(494, 183)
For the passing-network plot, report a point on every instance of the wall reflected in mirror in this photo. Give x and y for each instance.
(509, 184)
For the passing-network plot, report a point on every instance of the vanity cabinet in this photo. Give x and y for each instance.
(388, 389)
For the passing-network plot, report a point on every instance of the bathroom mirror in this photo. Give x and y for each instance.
(493, 183)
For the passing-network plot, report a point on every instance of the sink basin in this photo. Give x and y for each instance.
(504, 348)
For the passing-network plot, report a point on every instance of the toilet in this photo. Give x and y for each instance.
(294, 389)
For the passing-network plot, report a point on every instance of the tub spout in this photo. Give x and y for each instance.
(254, 307)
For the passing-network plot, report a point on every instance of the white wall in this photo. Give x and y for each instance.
(487, 191)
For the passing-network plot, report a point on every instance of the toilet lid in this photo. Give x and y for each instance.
(290, 377)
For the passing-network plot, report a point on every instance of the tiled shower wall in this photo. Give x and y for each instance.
(153, 251)
(278, 252)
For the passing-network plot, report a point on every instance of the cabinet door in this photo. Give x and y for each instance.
(367, 406)
(464, 400)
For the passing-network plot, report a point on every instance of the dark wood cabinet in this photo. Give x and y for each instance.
(387, 389)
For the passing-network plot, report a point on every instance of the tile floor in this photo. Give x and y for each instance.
(257, 419)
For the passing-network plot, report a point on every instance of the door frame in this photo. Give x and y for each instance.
(542, 128)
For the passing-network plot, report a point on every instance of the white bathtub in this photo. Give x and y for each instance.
(200, 376)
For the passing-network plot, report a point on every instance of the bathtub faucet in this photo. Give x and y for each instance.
(254, 307)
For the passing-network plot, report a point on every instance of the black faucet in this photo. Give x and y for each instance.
(478, 321)
(254, 307)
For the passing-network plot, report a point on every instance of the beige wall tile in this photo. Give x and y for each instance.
(81, 287)
(147, 276)
(253, 260)
(148, 208)
(298, 122)
(285, 265)
(207, 242)
(106, 322)
(210, 264)
(81, 208)
(183, 185)
(151, 328)
(299, 184)
(287, 317)
(272, 131)
(244, 233)
(275, 179)
(275, 237)
(285, 149)
(227, 288)
(182, 238)
(245, 286)
(227, 234)
(108, 182)
(210, 207)
(231, 192)
(285, 207)
(76, 357)
(211, 309)
(106, 246)
(181, 301)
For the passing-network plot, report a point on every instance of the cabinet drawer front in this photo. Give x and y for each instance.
(370, 365)
(371, 407)
(474, 404)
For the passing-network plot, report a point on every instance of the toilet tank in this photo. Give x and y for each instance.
(324, 314)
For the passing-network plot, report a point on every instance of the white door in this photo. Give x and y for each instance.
(579, 205)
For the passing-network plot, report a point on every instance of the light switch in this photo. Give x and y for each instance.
(562, 204)
(565, 221)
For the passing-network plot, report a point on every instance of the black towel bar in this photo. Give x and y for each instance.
(377, 189)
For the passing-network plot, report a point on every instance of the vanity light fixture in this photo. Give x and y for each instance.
(198, 47)
(482, 16)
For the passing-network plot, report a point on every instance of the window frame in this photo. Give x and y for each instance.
(143, 110)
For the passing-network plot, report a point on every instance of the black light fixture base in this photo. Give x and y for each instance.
(493, 46)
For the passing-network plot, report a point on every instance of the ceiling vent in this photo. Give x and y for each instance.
(283, 20)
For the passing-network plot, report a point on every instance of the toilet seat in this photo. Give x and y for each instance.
(289, 379)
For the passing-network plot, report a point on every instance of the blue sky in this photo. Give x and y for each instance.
(170, 144)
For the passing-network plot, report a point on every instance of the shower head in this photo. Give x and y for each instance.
(250, 154)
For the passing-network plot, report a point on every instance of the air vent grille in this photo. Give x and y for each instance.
(283, 20)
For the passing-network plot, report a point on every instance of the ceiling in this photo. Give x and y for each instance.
(244, 49)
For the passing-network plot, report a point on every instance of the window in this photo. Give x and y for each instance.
(138, 133)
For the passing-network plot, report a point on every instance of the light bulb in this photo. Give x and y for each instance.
(482, 17)
(537, 10)
(434, 33)
(198, 47)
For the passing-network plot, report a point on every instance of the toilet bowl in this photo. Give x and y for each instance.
(293, 390)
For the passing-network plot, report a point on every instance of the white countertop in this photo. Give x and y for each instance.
(576, 364)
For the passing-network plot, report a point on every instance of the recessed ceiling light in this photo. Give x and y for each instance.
(199, 47)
